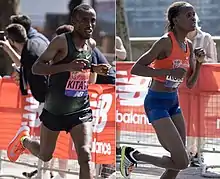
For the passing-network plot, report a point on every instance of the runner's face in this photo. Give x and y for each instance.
(85, 23)
(186, 18)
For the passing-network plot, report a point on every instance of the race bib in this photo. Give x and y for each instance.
(77, 84)
(172, 82)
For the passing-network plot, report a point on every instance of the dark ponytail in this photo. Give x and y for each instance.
(169, 26)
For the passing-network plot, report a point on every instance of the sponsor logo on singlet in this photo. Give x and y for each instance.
(77, 84)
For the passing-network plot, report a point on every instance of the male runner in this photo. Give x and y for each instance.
(68, 62)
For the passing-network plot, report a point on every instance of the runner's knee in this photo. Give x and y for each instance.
(45, 157)
(181, 160)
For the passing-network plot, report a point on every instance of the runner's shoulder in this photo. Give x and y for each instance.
(164, 43)
(165, 40)
(59, 40)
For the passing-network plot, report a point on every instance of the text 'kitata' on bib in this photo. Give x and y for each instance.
(77, 84)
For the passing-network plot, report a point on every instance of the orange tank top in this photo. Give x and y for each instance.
(177, 59)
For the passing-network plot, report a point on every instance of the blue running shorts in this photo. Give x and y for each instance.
(159, 105)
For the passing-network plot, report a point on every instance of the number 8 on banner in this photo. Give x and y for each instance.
(100, 104)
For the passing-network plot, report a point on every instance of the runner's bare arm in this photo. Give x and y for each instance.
(191, 64)
(142, 68)
(42, 65)
(194, 70)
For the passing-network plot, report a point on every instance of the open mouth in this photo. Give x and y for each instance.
(194, 24)
(89, 31)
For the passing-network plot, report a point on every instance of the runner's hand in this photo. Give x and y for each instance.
(178, 73)
(101, 69)
(77, 65)
(200, 55)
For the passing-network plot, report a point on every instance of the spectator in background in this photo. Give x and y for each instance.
(32, 34)
(120, 49)
(99, 58)
(29, 50)
(202, 39)
(25, 21)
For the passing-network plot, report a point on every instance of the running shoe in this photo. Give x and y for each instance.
(128, 162)
(195, 161)
(16, 148)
